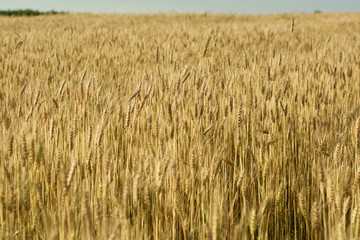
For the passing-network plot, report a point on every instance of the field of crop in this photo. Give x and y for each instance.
(180, 127)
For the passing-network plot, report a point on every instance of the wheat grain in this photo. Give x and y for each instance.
(90, 133)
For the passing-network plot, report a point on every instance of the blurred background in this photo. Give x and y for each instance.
(214, 6)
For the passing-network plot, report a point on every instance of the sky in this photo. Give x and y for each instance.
(215, 6)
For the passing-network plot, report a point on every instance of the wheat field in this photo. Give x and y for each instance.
(180, 126)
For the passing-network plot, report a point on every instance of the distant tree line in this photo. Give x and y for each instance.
(27, 12)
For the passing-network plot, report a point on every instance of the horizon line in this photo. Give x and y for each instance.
(317, 11)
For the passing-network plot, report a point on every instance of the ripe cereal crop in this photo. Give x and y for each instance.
(180, 126)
